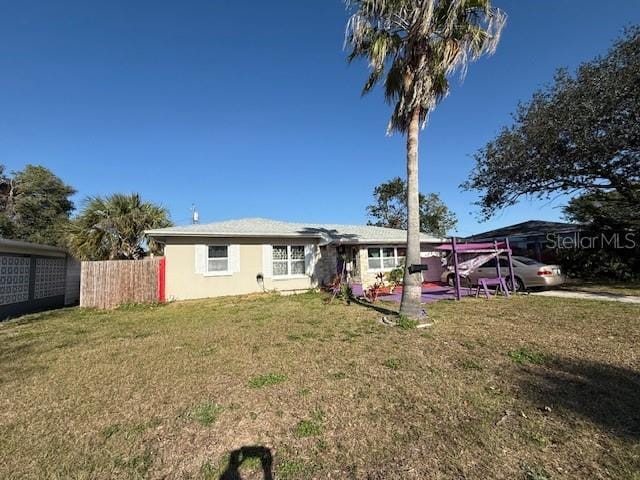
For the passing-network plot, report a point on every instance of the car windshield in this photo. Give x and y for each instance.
(527, 261)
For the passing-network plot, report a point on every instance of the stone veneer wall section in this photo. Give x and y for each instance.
(367, 277)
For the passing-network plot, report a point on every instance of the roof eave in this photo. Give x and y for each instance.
(5, 242)
(319, 236)
(367, 241)
(159, 233)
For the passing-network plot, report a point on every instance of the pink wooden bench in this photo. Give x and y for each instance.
(485, 283)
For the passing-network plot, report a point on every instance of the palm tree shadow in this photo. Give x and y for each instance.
(237, 457)
(377, 307)
(606, 395)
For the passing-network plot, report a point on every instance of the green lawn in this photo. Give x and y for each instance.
(527, 388)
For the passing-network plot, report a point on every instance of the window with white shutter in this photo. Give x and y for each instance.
(212, 260)
(218, 258)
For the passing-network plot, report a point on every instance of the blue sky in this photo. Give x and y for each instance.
(250, 109)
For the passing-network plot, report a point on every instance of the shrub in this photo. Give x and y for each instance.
(346, 292)
(608, 263)
(395, 276)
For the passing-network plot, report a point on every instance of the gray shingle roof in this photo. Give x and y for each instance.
(262, 227)
(529, 228)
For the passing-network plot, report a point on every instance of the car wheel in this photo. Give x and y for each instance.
(519, 285)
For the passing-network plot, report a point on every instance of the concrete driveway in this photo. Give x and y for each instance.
(588, 296)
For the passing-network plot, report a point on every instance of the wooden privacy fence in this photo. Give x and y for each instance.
(110, 283)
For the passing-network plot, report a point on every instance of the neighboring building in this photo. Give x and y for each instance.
(36, 277)
(533, 239)
(255, 254)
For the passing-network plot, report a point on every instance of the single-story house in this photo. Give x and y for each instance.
(255, 254)
(36, 277)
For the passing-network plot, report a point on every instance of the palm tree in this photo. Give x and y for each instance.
(416, 46)
(112, 228)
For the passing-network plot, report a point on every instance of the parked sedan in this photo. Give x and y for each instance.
(528, 273)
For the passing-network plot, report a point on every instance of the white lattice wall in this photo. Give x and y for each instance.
(14, 279)
(50, 277)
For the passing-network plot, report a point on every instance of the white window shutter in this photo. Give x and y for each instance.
(201, 259)
(234, 258)
(267, 261)
(309, 259)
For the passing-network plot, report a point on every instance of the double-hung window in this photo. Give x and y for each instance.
(386, 258)
(288, 260)
(218, 258)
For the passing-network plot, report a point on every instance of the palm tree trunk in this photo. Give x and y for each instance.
(412, 284)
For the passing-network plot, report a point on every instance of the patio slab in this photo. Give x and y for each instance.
(430, 293)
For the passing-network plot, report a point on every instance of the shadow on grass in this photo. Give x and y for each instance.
(239, 456)
(378, 308)
(35, 317)
(605, 395)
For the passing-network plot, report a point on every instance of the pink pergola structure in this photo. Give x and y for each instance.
(484, 247)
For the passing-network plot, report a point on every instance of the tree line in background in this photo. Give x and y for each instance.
(390, 209)
(36, 206)
(580, 136)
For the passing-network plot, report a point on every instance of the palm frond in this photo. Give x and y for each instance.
(419, 45)
(113, 227)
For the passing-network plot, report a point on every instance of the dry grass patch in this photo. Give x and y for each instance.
(266, 380)
(212, 388)
(205, 414)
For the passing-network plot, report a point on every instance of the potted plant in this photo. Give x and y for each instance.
(394, 277)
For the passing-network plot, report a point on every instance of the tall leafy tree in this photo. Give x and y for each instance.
(604, 210)
(34, 205)
(579, 135)
(112, 228)
(390, 209)
(413, 47)
(7, 227)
